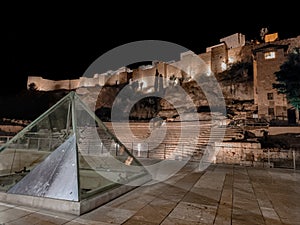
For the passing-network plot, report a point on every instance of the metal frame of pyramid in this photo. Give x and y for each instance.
(67, 160)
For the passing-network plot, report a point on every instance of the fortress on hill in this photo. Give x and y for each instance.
(265, 58)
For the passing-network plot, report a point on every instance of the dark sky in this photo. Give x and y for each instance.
(65, 52)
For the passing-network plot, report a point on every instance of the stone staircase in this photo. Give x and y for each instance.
(182, 140)
(174, 145)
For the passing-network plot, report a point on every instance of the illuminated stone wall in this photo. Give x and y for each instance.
(219, 58)
(115, 79)
(42, 84)
(238, 152)
(206, 57)
(235, 54)
(251, 154)
(91, 82)
(234, 41)
(146, 75)
(216, 59)
(270, 104)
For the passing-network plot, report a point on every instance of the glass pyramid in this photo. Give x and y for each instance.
(67, 153)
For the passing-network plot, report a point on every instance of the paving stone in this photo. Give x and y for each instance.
(220, 195)
(12, 214)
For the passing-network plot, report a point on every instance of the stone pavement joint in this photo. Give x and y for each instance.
(221, 194)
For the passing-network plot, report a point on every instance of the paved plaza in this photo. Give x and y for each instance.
(221, 194)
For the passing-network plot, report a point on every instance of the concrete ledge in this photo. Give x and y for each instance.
(72, 207)
(41, 203)
(97, 200)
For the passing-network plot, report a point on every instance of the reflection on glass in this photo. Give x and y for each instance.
(104, 162)
(33, 144)
(66, 153)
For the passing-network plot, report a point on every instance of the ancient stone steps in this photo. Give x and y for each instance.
(169, 147)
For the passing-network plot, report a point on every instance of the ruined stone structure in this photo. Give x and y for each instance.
(266, 58)
(219, 56)
(108, 78)
(216, 59)
(42, 84)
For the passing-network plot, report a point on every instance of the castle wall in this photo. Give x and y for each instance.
(91, 82)
(118, 78)
(145, 75)
(234, 41)
(206, 57)
(171, 70)
(215, 60)
(219, 58)
(193, 65)
(270, 104)
(234, 55)
(42, 84)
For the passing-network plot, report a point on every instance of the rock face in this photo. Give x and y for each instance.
(131, 103)
(145, 109)
(136, 105)
(187, 96)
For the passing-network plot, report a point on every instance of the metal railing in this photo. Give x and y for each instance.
(36, 143)
(273, 158)
(283, 158)
(4, 139)
(140, 149)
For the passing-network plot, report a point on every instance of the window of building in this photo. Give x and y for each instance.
(270, 55)
(270, 96)
(271, 111)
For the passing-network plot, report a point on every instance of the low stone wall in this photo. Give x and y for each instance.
(237, 152)
(283, 130)
(251, 153)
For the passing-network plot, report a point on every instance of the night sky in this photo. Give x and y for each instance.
(65, 52)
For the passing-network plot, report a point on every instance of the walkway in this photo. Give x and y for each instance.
(222, 194)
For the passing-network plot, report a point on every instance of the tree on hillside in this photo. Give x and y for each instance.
(288, 78)
(32, 87)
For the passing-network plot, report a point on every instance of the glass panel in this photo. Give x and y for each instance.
(67, 153)
(34, 143)
(55, 177)
(104, 162)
